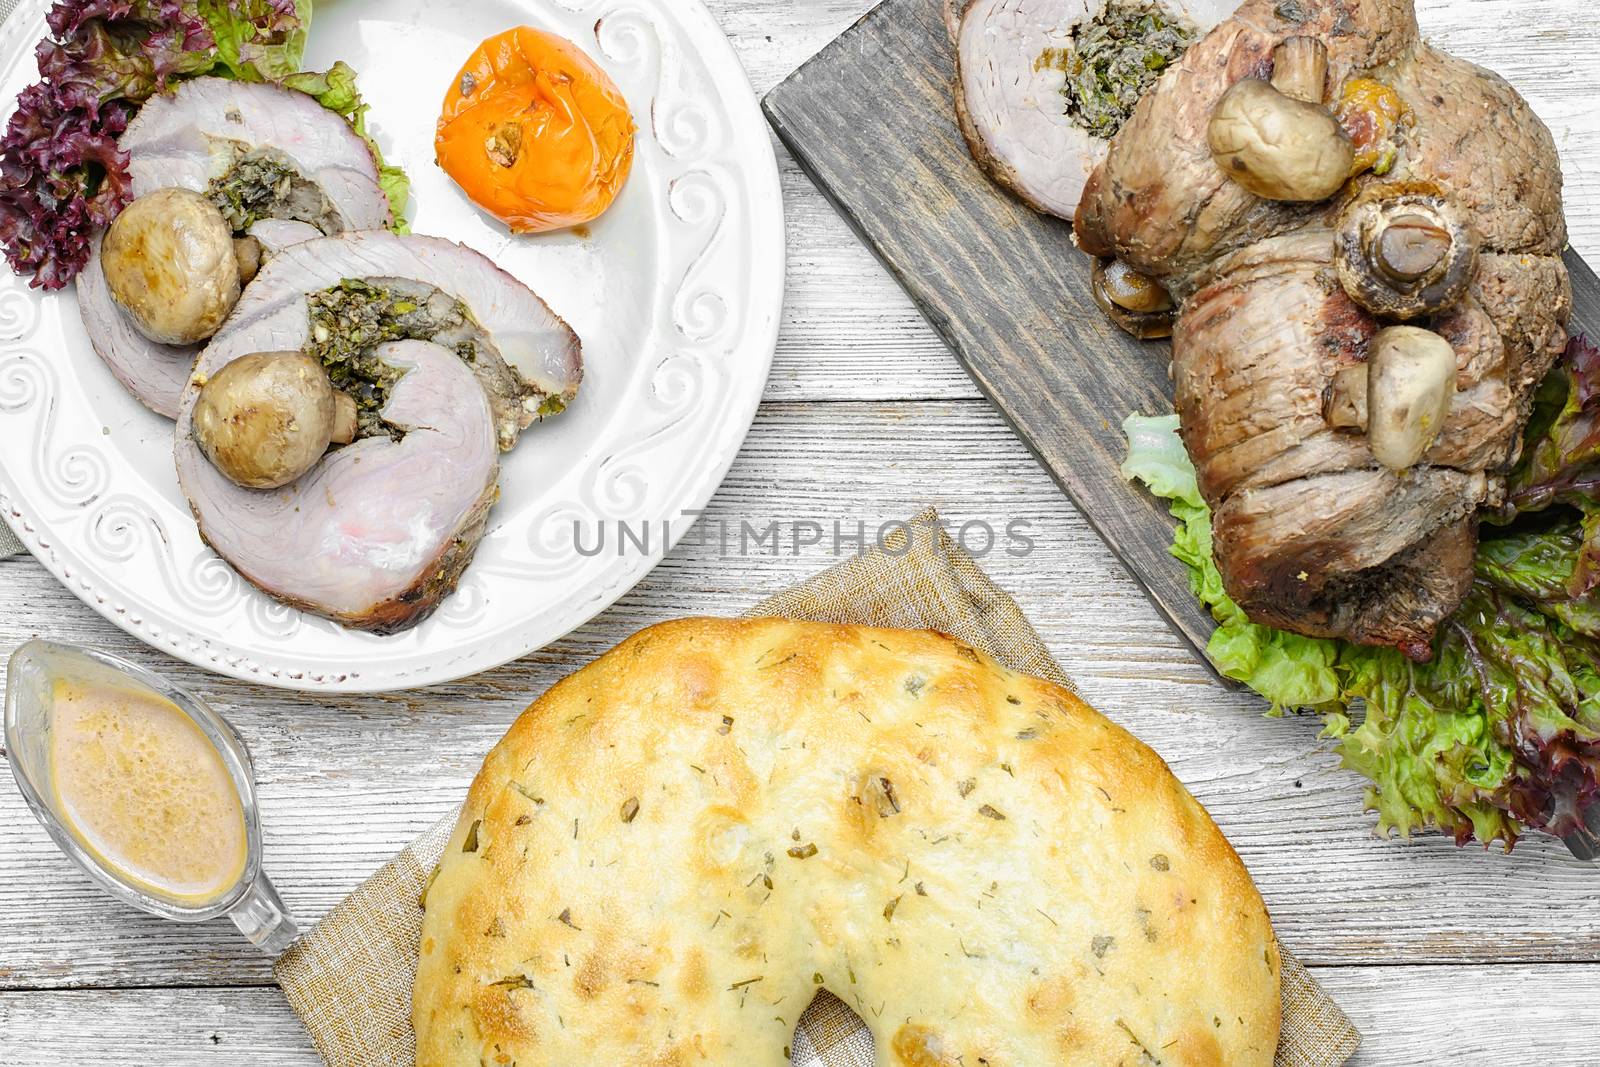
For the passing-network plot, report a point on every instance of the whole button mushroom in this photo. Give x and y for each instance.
(1411, 379)
(1405, 250)
(1134, 301)
(265, 419)
(1277, 147)
(169, 261)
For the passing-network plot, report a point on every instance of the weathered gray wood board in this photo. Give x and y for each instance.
(872, 120)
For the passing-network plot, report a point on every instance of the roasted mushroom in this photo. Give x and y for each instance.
(265, 419)
(1411, 377)
(1300, 69)
(169, 262)
(1405, 250)
(1346, 408)
(1277, 147)
(1135, 302)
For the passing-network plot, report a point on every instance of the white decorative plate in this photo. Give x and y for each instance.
(676, 294)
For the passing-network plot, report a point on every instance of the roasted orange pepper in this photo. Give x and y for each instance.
(535, 132)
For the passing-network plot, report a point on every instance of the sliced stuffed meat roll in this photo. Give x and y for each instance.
(334, 296)
(265, 151)
(379, 531)
(416, 359)
(263, 166)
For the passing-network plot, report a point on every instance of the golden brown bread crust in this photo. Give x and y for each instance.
(677, 846)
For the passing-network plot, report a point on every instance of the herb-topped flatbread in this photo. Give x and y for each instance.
(675, 848)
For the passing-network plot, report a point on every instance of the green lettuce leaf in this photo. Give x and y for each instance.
(1538, 566)
(1561, 452)
(336, 90)
(258, 40)
(1561, 456)
(1289, 670)
(1157, 458)
(1535, 564)
(1427, 744)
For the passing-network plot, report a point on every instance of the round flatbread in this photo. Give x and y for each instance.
(675, 848)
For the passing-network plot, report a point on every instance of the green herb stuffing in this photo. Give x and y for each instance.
(350, 320)
(256, 188)
(1500, 732)
(336, 90)
(1113, 61)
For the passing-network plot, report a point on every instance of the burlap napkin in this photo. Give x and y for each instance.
(349, 979)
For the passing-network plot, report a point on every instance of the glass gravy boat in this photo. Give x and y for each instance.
(251, 902)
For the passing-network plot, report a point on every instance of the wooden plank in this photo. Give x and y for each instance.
(346, 782)
(1461, 1016)
(849, 331)
(153, 1028)
(1469, 1016)
(1003, 285)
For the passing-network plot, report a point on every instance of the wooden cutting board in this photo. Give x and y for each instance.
(872, 120)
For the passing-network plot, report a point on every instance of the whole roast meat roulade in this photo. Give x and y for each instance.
(1361, 237)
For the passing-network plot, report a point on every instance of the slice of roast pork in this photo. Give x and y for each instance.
(527, 359)
(378, 533)
(216, 130)
(380, 530)
(209, 127)
(1014, 59)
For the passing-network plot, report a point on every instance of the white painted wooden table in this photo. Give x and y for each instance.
(1442, 956)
